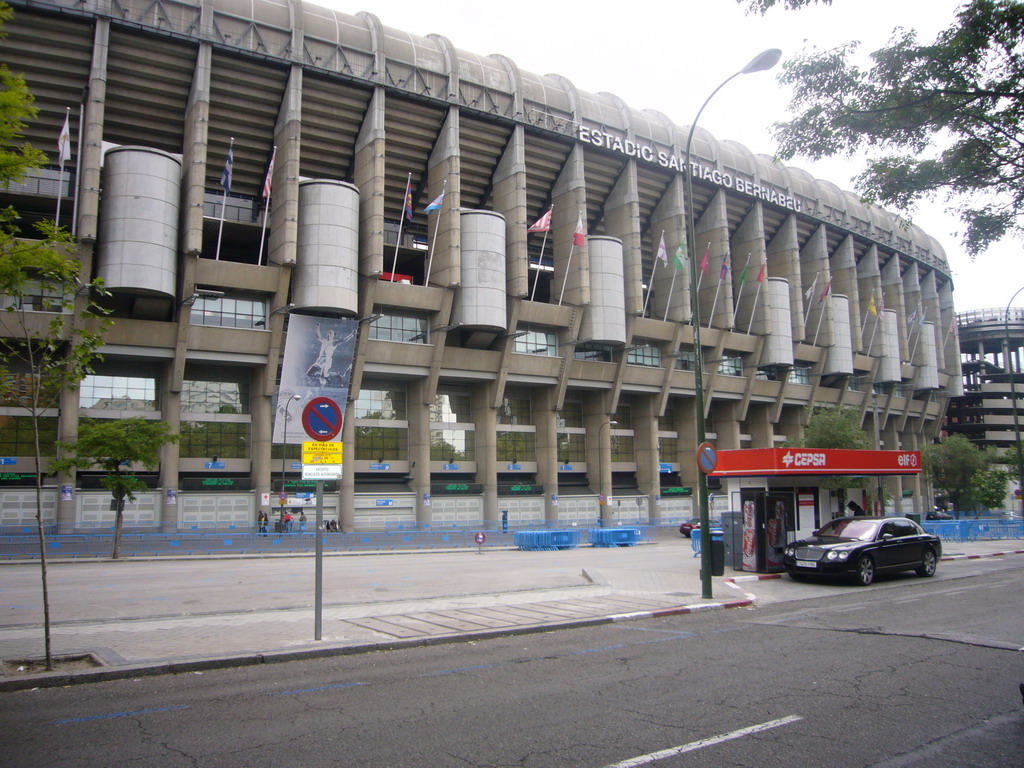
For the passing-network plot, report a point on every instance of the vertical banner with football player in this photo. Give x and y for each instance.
(318, 354)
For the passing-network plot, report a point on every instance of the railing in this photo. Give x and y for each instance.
(975, 530)
(95, 545)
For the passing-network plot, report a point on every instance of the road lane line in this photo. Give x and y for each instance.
(695, 745)
(331, 687)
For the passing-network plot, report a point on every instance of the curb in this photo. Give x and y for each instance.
(986, 554)
(60, 680)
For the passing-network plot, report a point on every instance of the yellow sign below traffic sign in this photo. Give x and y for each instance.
(321, 453)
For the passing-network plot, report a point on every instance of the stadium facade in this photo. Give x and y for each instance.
(496, 373)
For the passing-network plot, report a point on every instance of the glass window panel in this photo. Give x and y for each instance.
(206, 439)
(571, 415)
(516, 446)
(387, 443)
(452, 444)
(380, 402)
(131, 393)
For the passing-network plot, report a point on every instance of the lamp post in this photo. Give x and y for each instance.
(1013, 393)
(763, 61)
(878, 445)
(603, 499)
(287, 418)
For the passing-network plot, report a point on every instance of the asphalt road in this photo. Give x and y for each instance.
(911, 672)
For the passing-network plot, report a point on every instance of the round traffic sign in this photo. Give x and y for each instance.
(480, 538)
(707, 458)
(321, 418)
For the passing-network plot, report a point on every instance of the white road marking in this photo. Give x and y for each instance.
(695, 745)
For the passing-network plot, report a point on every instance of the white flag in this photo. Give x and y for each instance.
(64, 143)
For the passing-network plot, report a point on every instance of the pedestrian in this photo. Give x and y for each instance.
(288, 522)
(261, 521)
(302, 521)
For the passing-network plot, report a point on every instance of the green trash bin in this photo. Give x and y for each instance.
(915, 516)
(717, 552)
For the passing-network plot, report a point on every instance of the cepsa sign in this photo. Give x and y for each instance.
(804, 461)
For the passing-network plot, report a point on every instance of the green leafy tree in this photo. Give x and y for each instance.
(939, 120)
(114, 445)
(829, 427)
(951, 465)
(988, 487)
(49, 333)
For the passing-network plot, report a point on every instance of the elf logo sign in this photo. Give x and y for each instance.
(795, 459)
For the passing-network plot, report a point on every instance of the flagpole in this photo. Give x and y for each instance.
(654, 268)
(820, 316)
(917, 323)
(807, 297)
(544, 242)
(63, 151)
(671, 289)
(565, 277)
(743, 282)
(266, 209)
(78, 170)
(871, 343)
(757, 296)
(568, 262)
(433, 240)
(718, 288)
(224, 199)
(401, 223)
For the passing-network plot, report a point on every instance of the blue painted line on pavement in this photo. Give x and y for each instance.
(332, 687)
(112, 715)
(457, 670)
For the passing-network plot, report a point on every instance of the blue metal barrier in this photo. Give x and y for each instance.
(547, 540)
(975, 529)
(614, 537)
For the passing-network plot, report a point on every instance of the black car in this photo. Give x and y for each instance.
(860, 547)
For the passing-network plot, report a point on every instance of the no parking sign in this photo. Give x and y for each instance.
(322, 418)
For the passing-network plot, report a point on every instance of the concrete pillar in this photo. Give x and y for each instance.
(444, 232)
(369, 178)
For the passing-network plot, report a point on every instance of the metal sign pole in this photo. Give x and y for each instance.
(319, 609)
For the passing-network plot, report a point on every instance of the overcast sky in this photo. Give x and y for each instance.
(670, 57)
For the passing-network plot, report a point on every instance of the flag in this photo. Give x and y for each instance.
(871, 306)
(912, 318)
(543, 224)
(881, 301)
(663, 251)
(577, 236)
(743, 274)
(408, 198)
(725, 268)
(704, 261)
(270, 173)
(64, 143)
(225, 176)
(763, 273)
(810, 289)
(824, 291)
(679, 257)
(435, 205)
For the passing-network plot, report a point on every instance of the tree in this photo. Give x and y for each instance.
(941, 120)
(951, 465)
(829, 427)
(114, 445)
(988, 487)
(44, 347)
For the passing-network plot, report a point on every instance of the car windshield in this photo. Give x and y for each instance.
(863, 530)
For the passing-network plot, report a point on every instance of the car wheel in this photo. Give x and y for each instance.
(865, 570)
(928, 564)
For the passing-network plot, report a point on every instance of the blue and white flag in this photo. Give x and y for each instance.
(436, 205)
(225, 177)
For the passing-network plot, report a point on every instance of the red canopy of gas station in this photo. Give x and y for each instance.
(814, 461)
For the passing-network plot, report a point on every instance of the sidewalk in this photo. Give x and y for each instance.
(139, 617)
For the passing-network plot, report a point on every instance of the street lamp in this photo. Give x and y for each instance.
(1013, 393)
(878, 445)
(763, 61)
(287, 418)
(602, 498)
